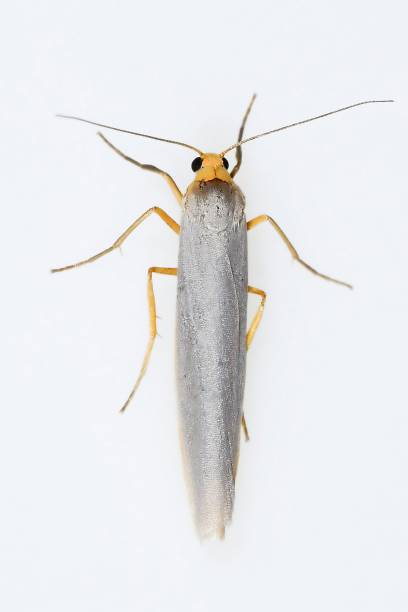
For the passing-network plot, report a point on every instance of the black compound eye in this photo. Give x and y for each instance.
(196, 164)
(225, 163)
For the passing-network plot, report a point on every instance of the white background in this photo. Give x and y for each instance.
(94, 515)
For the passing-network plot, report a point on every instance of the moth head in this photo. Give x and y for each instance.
(209, 166)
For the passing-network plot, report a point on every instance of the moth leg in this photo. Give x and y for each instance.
(245, 428)
(250, 335)
(262, 218)
(238, 152)
(159, 211)
(171, 182)
(152, 325)
(258, 315)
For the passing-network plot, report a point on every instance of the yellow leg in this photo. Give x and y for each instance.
(159, 211)
(149, 167)
(245, 428)
(153, 326)
(262, 218)
(258, 315)
(250, 334)
(238, 153)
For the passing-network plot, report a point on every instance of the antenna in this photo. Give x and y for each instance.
(111, 127)
(290, 125)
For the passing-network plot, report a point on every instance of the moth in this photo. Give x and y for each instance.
(212, 338)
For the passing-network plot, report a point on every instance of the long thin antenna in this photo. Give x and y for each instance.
(238, 153)
(290, 125)
(110, 127)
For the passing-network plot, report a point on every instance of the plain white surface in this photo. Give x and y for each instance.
(94, 515)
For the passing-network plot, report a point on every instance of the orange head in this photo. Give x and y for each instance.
(211, 166)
